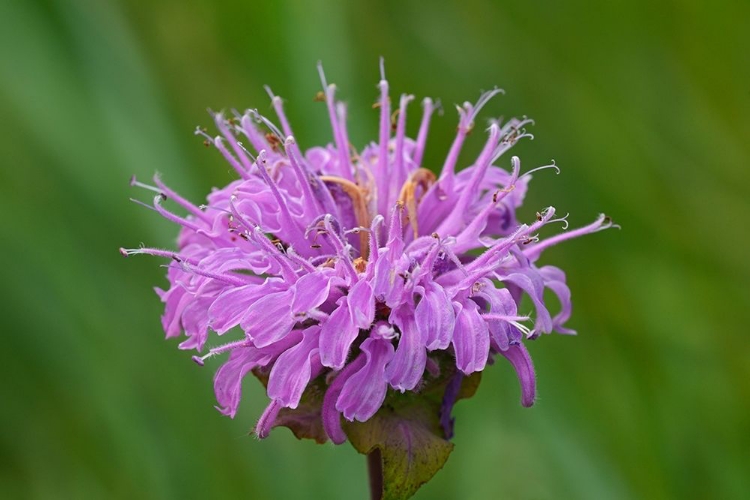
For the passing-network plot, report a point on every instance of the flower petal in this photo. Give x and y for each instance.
(266, 420)
(471, 339)
(362, 304)
(294, 368)
(230, 307)
(521, 361)
(364, 392)
(228, 378)
(554, 279)
(336, 336)
(330, 415)
(388, 282)
(529, 280)
(269, 318)
(407, 366)
(435, 317)
(310, 291)
(501, 302)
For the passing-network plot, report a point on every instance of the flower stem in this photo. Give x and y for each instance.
(375, 472)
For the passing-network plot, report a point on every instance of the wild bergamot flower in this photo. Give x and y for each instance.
(359, 274)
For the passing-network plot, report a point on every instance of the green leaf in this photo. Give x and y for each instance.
(411, 448)
(408, 432)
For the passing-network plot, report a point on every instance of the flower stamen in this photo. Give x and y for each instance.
(358, 196)
(419, 178)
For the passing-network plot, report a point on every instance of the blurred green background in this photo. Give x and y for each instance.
(643, 104)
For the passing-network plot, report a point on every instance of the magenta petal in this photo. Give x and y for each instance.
(407, 366)
(195, 322)
(228, 378)
(228, 309)
(266, 420)
(471, 339)
(364, 392)
(362, 304)
(175, 300)
(336, 336)
(330, 415)
(528, 280)
(310, 291)
(293, 369)
(381, 273)
(554, 279)
(521, 361)
(434, 317)
(501, 302)
(388, 283)
(269, 318)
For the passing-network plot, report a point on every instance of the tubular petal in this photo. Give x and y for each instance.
(364, 392)
(471, 339)
(294, 369)
(521, 361)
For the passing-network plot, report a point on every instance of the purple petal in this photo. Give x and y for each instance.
(521, 361)
(602, 222)
(195, 322)
(362, 304)
(228, 378)
(554, 279)
(293, 369)
(364, 392)
(435, 317)
(265, 423)
(388, 284)
(269, 318)
(175, 300)
(407, 366)
(310, 292)
(501, 302)
(471, 339)
(336, 336)
(381, 278)
(529, 280)
(227, 310)
(330, 415)
(229, 259)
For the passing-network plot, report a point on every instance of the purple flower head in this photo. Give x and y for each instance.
(359, 274)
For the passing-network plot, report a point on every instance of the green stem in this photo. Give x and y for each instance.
(375, 472)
